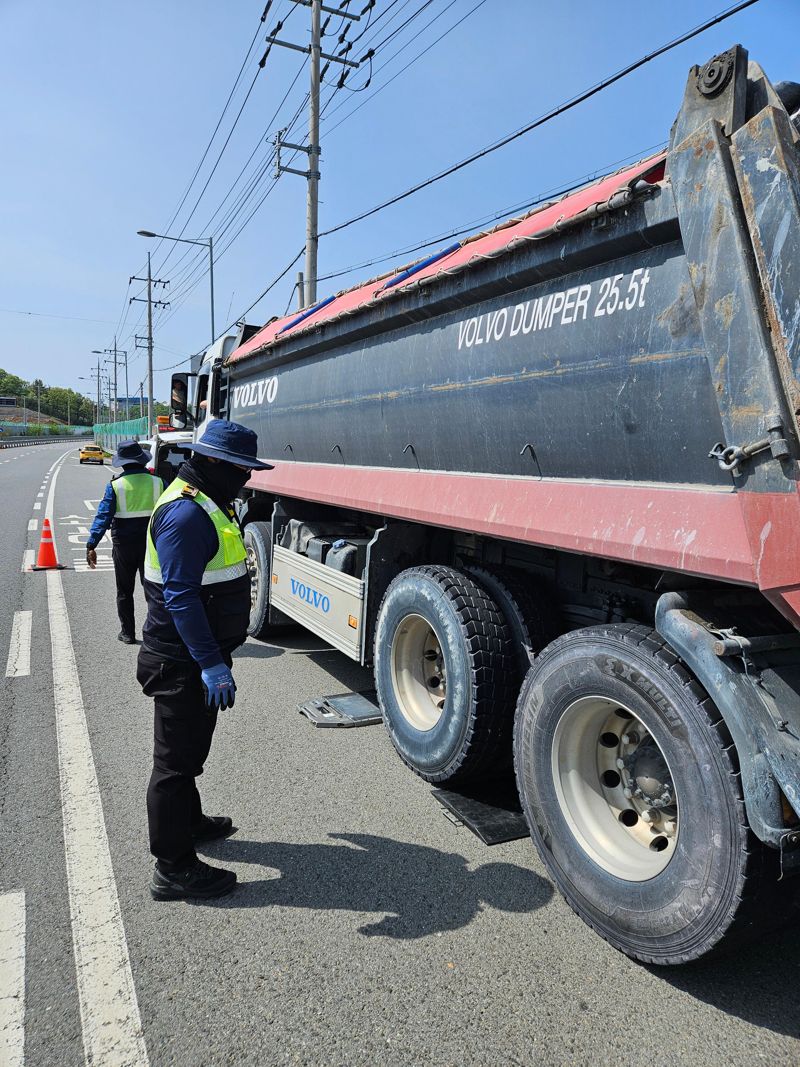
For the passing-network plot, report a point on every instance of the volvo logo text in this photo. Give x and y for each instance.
(311, 596)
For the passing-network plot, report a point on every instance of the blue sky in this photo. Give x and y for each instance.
(108, 108)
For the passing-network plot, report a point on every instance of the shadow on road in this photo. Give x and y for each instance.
(418, 890)
(759, 984)
(257, 650)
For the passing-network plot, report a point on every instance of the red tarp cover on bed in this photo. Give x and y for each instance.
(488, 244)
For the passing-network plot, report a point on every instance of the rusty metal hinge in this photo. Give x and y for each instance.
(731, 457)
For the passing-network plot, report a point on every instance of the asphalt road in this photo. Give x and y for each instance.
(367, 929)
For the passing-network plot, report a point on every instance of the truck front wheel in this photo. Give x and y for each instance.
(630, 785)
(444, 672)
(257, 542)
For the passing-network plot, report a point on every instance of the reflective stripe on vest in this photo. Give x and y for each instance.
(136, 495)
(228, 562)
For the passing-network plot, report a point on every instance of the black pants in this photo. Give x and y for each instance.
(183, 730)
(128, 556)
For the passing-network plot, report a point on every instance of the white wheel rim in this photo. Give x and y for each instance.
(615, 788)
(419, 673)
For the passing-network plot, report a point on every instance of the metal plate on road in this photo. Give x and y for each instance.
(343, 709)
(494, 814)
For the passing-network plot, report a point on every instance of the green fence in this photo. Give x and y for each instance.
(109, 434)
(41, 429)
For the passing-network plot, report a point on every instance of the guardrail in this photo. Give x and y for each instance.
(21, 442)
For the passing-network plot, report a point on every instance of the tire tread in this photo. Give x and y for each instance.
(758, 873)
(487, 743)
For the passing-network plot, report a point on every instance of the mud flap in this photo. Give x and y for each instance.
(493, 813)
(758, 696)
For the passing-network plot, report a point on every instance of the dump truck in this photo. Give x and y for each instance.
(545, 482)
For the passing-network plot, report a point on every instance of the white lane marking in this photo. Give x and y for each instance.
(12, 979)
(18, 664)
(27, 559)
(33, 524)
(37, 506)
(112, 1027)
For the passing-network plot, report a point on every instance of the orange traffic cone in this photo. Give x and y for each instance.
(47, 560)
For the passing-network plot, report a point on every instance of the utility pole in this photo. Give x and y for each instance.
(116, 352)
(312, 200)
(151, 281)
(312, 149)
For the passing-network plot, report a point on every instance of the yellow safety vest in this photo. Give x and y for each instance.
(136, 495)
(230, 559)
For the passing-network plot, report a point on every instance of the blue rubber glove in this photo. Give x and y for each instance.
(219, 686)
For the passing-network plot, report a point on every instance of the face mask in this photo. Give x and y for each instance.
(221, 481)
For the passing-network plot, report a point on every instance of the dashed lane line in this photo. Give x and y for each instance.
(27, 559)
(12, 979)
(18, 664)
(37, 506)
(112, 1028)
(33, 525)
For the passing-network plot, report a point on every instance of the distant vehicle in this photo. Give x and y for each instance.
(92, 454)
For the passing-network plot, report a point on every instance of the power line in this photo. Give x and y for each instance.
(45, 315)
(195, 270)
(124, 314)
(547, 117)
(191, 277)
(410, 63)
(507, 213)
(242, 197)
(235, 85)
(401, 27)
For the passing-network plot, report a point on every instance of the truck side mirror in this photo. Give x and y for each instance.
(179, 400)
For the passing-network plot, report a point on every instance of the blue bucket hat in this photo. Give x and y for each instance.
(129, 453)
(231, 442)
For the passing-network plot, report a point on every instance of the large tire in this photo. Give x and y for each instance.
(516, 597)
(258, 541)
(664, 889)
(444, 674)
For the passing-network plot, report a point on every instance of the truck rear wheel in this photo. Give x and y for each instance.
(519, 604)
(258, 541)
(444, 674)
(630, 785)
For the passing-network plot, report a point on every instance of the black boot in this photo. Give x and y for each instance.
(197, 882)
(126, 639)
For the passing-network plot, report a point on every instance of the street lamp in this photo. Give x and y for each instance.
(206, 242)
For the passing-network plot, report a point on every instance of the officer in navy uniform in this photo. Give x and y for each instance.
(198, 594)
(126, 507)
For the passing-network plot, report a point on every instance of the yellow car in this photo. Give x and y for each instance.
(91, 454)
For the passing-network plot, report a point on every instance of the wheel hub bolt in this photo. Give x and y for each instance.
(669, 826)
(630, 738)
(620, 763)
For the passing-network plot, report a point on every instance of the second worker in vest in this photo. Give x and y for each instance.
(198, 597)
(126, 507)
